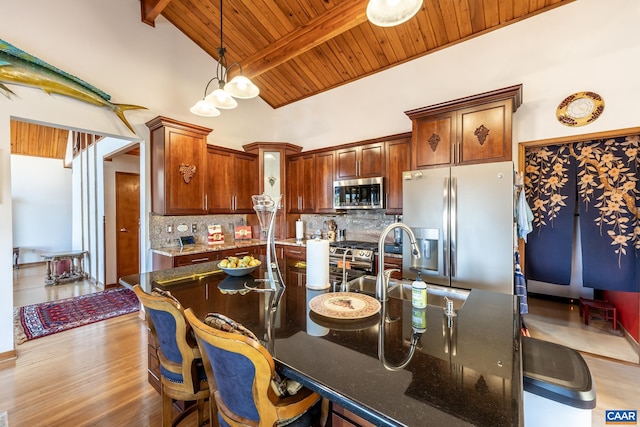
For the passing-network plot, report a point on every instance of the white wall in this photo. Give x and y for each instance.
(6, 240)
(41, 200)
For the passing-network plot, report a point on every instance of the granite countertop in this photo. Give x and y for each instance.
(173, 251)
(465, 370)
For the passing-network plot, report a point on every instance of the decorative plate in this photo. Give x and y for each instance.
(344, 305)
(341, 325)
(580, 109)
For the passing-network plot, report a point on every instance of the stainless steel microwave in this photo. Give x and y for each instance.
(365, 193)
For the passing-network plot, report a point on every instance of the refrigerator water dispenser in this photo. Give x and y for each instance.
(427, 239)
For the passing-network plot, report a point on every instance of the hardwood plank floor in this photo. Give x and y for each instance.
(29, 287)
(96, 375)
(92, 375)
(561, 323)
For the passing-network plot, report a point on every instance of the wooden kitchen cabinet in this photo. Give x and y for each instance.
(162, 262)
(325, 165)
(182, 260)
(469, 130)
(398, 160)
(433, 141)
(232, 179)
(362, 161)
(272, 177)
(300, 179)
(341, 417)
(295, 252)
(178, 167)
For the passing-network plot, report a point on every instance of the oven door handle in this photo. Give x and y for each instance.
(363, 264)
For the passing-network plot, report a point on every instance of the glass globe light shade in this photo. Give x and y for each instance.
(387, 13)
(205, 109)
(241, 87)
(221, 99)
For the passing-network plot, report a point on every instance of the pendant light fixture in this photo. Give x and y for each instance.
(223, 97)
(387, 13)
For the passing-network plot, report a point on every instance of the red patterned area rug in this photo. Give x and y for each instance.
(39, 320)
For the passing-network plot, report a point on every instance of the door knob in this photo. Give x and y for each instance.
(124, 230)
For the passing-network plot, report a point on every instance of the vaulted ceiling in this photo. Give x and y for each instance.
(293, 49)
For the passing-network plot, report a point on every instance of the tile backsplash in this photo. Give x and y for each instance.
(165, 231)
(359, 225)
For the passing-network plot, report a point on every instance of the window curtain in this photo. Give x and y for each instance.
(601, 176)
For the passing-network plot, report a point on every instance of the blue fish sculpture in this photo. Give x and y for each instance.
(20, 68)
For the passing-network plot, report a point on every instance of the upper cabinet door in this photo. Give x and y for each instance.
(433, 141)
(360, 162)
(178, 167)
(221, 181)
(247, 185)
(300, 182)
(347, 163)
(475, 129)
(371, 161)
(398, 160)
(233, 179)
(324, 181)
(307, 190)
(484, 133)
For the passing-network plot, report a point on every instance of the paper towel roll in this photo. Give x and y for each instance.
(318, 264)
(299, 230)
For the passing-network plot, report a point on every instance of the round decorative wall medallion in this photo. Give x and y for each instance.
(580, 109)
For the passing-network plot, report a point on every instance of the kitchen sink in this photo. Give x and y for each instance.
(400, 288)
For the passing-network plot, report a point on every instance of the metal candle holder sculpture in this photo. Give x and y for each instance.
(266, 208)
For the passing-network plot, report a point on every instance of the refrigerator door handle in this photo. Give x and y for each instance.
(454, 220)
(445, 227)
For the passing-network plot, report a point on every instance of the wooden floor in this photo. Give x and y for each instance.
(561, 323)
(612, 360)
(95, 375)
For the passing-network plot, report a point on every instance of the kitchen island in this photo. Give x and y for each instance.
(464, 370)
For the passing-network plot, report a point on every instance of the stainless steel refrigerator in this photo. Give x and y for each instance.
(463, 218)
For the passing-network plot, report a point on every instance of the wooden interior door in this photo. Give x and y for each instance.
(127, 223)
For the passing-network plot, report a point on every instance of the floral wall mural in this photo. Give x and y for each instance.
(598, 181)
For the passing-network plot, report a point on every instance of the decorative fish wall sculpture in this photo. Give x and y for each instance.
(20, 68)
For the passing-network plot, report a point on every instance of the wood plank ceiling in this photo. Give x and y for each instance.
(31, 139)
(293, 49)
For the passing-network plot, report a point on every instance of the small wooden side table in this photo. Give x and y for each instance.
(608, 310)
(76, 268)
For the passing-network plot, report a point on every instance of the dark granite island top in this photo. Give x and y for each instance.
(464, 372)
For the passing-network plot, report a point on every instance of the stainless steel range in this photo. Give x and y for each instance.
(358, 256)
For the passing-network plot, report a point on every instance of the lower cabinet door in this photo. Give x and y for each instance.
(341, 417)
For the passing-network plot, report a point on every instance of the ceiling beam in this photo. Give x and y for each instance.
(150, 9)
(335, 21)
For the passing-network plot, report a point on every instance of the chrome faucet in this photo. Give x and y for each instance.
(382, 280)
